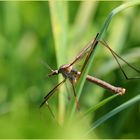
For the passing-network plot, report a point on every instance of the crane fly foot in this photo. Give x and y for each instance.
(122, 91)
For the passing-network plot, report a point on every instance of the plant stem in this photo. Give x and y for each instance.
(58, 11)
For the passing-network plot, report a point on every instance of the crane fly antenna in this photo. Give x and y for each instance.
(47, 65)
(116, 56)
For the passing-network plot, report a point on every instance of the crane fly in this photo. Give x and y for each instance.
(69, 72)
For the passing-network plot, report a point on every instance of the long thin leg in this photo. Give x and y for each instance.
(50, 109)
(67, 91)
(75, 97)
(116, 56)
(51, 92)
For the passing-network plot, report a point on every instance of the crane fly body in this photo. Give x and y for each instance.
(69, 72)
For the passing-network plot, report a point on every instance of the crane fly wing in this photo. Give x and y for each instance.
(116, 56)
(92, 47)
(84, 50)
(51, 92)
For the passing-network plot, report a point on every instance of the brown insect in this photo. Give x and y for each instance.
(71, 74)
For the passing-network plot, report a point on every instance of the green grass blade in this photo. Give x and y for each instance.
(116, 11)
(58, 12)
(114, 112)
(100, 104)
(103, 30)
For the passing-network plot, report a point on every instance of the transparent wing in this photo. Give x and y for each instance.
(84, 50)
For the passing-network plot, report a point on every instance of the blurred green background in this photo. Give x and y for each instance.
(28, 35)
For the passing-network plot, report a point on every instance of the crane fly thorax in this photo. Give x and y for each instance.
(69, 72)
(74, 75)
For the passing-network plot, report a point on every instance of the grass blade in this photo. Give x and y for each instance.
(116, 11)
(58, 11)
(105, 101)
(114, 112)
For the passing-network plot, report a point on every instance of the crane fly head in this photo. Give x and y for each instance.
(65, 68)
(54, 72)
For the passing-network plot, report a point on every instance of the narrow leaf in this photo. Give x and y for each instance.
(114, 112)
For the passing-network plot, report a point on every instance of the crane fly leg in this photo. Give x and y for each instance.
(75, 97)
(116, 57)
(50, 109)
(51, 92)
(49, 95)
(69, 97)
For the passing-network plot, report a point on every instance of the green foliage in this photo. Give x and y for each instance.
(56, 31)
(114, 111)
